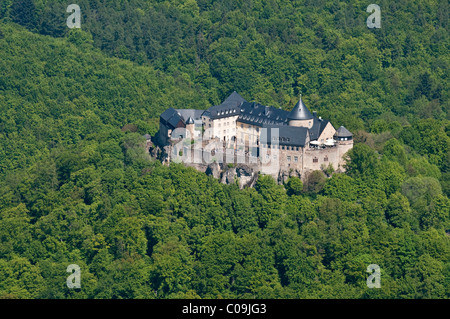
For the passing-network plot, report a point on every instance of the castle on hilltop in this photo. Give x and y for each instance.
(269, 139)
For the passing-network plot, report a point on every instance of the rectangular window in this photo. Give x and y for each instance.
(325, 159)
(296, 159)
(289, 159)
(315, 160)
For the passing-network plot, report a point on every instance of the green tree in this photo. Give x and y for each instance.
(172, 269)
(417, 188)
(393, 150)
(428, 272)
(270, 199)
(437, 215)
(341, 186)
(23, 12)
(362, 161)
(294, 186)
(398, 210)
(314, 183)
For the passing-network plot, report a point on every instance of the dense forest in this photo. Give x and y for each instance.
(77, 186)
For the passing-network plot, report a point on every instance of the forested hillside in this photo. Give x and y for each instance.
(271, 50)
(76, 186)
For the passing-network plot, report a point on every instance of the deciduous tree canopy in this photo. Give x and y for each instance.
(77, 186)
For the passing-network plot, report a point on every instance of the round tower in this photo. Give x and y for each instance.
(300, 116)
(344, 140)
(190, 125)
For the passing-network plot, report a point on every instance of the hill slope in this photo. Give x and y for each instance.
(272, 50)
(76, 186)
(58, 91)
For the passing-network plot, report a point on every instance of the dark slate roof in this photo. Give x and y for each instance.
(343, 132)
(190, 120)
(171, 118)
(228, 107)
(300, 112)
(175, 120)
(167, 114)
(187, 113)
(317, 128)
(287, 135)
(206, 113)
(234, 99)
(259, 115)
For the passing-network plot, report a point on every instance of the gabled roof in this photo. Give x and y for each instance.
(228, 107)
(175, 120)
(343, 132)
(317, 127)
(234, 99)
(171, 118)
(300, 112)
(187, 113)
(167, 114)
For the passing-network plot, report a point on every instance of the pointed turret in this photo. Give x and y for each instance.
(300, 111)
(300, 115)
(190, 126)
(190, 120)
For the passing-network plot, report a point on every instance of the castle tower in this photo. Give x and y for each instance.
(300, 116)
(344, 140)
(190, 126)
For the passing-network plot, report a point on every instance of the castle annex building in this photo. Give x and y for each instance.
(273, 140)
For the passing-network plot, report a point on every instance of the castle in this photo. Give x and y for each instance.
(270, 140)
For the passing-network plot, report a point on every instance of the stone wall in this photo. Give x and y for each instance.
(229, 165)
(344, 147)
(316, 159)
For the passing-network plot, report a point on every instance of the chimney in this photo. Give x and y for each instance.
(314, 113)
